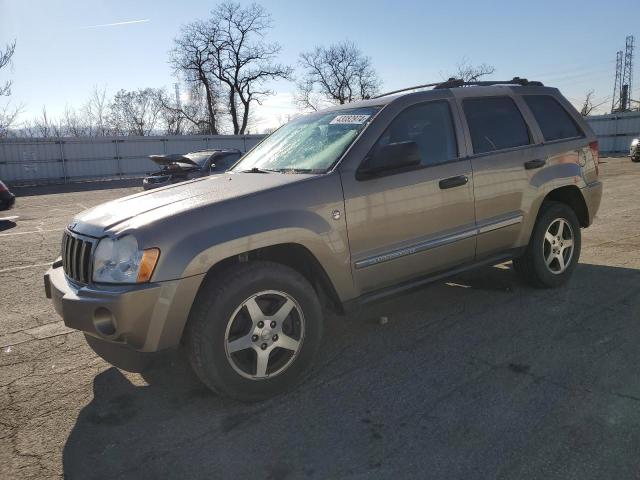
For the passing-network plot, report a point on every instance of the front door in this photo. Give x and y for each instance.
(405, 224)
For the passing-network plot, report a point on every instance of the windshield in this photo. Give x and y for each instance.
(309, 144)
(199, 157)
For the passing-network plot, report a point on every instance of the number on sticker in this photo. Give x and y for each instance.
(349, 120)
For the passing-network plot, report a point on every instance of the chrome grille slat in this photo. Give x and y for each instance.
(83, 273)
(63, 251)
(76, 257)
(74, 262)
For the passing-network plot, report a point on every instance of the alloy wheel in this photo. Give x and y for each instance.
(557, 248)
(264, 335)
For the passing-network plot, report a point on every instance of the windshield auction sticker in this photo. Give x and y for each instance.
(349, 120)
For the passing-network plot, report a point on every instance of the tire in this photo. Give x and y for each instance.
(532, 266)
(225, 311)
(635, 158)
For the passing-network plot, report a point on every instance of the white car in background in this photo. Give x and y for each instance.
(634, 150)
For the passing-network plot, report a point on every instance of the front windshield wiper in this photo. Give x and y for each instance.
(257, 170)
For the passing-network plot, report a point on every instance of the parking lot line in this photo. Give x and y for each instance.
(24, 267)
(33, 231)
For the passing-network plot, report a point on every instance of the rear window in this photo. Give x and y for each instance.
(554, 121)
(495, 123)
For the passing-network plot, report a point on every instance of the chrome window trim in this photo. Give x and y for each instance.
(437, 242)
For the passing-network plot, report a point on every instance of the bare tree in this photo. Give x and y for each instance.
(588, 105)
(472, 73)
(191, 56)
(135, 112)
(8, 114)
(339, 73)
(74, 125)
(188, 115)
(96, 113)
(44, 125)
(5, 61)
(228, 53)
(8, 117)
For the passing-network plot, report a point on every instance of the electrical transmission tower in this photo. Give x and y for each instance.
(617, 84)
(623, 85)
(176, 87)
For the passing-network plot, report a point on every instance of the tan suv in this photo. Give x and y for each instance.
(335, 209)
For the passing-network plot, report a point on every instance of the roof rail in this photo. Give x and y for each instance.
(458, 82)
(406, 89)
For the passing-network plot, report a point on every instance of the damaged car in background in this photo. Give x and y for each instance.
(181, 167)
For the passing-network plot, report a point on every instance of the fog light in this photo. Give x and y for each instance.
(104, 322)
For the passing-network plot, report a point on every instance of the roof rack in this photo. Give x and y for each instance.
(458, 82)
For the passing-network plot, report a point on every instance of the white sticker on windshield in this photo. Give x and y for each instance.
(349, 120)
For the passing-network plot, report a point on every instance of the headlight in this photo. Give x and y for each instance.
(635, 142)
(120, 261)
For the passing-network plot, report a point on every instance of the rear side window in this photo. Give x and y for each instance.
(495, 123)
(554, 121)
(430, 125)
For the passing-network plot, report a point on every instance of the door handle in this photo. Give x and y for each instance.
(531, 164)
(452, 182)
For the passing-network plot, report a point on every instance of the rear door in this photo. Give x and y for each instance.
(565, 141)
(402, 225)
(503, 151)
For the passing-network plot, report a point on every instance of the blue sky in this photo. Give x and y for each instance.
(567, 44)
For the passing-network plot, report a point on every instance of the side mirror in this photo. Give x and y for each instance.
(392, 157)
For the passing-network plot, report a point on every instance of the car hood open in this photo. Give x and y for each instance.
(165, 160)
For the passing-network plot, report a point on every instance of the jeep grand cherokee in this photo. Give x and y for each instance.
(334, 209)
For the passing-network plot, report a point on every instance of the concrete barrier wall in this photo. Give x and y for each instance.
(70, 159)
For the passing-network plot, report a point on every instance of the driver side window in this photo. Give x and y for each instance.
(430, 126)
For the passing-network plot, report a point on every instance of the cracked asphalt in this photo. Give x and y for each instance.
(475, 377)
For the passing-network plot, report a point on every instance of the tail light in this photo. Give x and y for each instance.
(3, 187)
(595, 154)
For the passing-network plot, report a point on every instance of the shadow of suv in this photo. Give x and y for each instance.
(336, 209)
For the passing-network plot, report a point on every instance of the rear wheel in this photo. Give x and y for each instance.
(554, 247)
(254, 330)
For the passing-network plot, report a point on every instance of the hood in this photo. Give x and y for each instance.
(171, 200)
(180, 160)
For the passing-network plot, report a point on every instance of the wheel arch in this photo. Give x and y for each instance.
(295, 256)
(571, 196)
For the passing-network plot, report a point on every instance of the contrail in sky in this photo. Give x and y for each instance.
(128, 22)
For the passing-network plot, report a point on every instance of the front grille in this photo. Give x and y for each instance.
(157, 179)
(76, 257)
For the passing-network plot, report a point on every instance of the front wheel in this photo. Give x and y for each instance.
(554, 247)
(254, 330)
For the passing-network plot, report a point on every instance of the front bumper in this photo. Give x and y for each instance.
(592, 194)
(147, 185)
(147, 317)
(7, 200)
